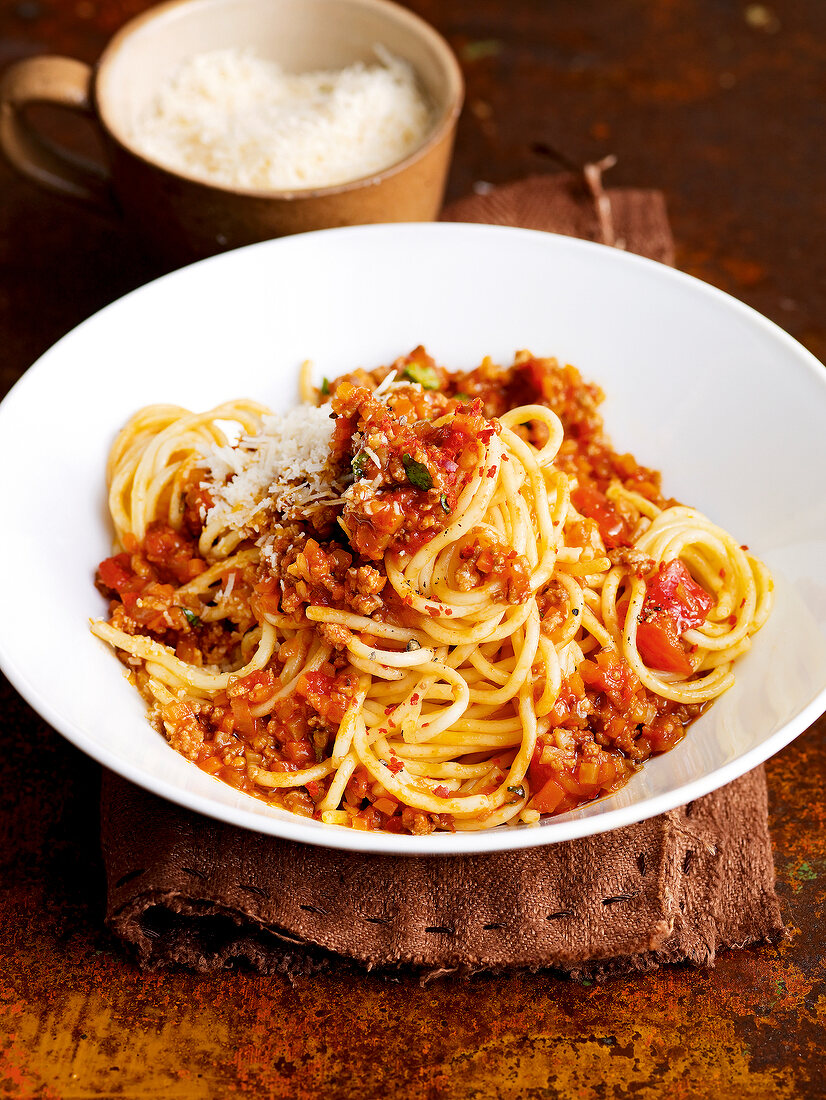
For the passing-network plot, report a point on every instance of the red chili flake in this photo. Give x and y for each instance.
(391, 708)
(486, 434)
(415, 697)
(492, 471)
(441, 791)
(743, 602)
(395, 765)
(744, 547)
(732, 620)
(448, 612)
(722, 572)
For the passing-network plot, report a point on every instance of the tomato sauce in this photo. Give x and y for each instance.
(407, 466)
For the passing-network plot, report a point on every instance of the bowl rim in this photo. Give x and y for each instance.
(440, 844)
(447, 114)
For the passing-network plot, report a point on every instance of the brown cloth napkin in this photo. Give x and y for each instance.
(184, 889)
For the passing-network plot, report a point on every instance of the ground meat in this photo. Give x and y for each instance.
(484, 562)
(552, 603)
(406, 463)
(363, 586)
(334, 635)
(184, 732)
(409, 468)
(638, 562)
(320, 574)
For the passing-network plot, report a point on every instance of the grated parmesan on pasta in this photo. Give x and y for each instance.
(233, 118)
(280, 468)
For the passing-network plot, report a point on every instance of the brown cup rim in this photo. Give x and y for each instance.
(445, 123)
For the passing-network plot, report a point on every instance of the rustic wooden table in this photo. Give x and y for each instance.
(723, 106)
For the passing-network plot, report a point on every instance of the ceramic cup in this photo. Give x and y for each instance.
(183, 218)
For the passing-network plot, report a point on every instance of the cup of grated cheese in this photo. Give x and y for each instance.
(227, 122)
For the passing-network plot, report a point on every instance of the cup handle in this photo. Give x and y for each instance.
(61, 82)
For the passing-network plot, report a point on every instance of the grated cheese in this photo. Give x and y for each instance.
(233, 118)
(280, 468)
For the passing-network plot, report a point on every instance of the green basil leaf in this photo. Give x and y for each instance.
(426, 376)
(191, 617)
(417, 473)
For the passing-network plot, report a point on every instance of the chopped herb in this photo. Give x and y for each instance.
(518, 791)
(359, 464)
(426, 376)
(444, 503)
(417, 473)
(325, 386)
(574, 610)
(412, 645)
(461, 397)
(191, 617)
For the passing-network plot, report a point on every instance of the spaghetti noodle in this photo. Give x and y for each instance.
(441, 601)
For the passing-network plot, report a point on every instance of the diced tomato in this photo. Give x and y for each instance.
(149, 604)
(673, 604)
(168, 548)
(115, 572)
(386, 805)
(257, 687)
(607, 772)
(570, 785)
(675, 591)
(659, 646)
(300, 752)
(595, 505)
(538, 772)
(588, 773)
(611, 675)
(548, 797)
(484, 561)
(244, 721)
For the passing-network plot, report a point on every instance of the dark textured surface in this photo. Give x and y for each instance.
(723, 106)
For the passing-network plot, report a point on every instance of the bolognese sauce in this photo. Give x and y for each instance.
(409, 446)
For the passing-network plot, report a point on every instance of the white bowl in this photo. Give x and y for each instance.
(728, 406)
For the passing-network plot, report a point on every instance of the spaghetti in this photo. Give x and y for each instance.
(439, 601)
